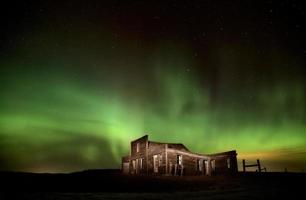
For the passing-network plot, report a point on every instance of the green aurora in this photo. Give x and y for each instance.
(50, 122)
(75, 102)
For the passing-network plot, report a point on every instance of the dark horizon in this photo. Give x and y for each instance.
(79, 81)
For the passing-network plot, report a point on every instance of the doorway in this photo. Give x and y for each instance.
(155, 164)
(205, 167)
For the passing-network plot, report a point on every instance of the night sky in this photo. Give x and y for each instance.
(79, 81)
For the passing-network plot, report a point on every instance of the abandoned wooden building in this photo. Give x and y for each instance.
(147, 157)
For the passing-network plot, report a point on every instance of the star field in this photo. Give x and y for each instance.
(79, 81)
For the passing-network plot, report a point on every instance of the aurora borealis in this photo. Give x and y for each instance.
(79, 81)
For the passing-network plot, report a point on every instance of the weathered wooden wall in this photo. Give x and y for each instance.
(189, 164)
(221, 162)
(225, 162)
(156, 149)
(142, 142)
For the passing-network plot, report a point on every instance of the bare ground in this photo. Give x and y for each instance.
(108, 184)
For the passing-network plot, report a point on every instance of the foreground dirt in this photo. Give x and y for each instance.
(113, 185)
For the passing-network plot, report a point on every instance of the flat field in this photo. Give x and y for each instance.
(111, 184)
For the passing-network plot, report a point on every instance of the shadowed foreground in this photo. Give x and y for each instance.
(111, 184)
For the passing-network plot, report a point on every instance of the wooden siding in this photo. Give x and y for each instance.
(166, 160)
(137, 155)
(160, 150)
(189, 163)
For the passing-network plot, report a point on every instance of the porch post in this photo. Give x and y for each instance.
(209, 169)
(166, 152)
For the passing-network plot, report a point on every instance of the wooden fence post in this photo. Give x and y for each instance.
(253, 165)
(258, 163)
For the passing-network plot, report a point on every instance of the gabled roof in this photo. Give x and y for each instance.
(178, 146)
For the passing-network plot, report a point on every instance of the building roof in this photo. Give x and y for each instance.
(181, 147)
(177, 146)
